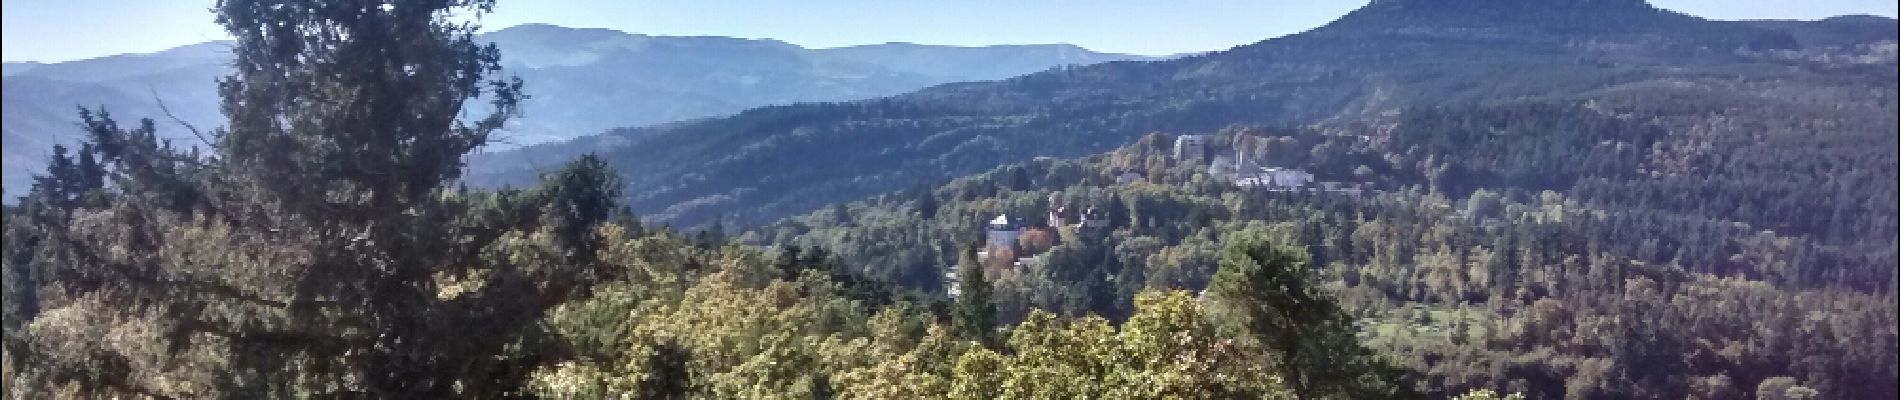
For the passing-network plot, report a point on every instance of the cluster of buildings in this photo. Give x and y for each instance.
(1245, 174)
(1005, 235)
(1237, 168)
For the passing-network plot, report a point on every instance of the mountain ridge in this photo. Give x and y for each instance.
(582, 81)
(765, 163)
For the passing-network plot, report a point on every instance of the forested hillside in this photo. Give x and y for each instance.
(1716, 88)
(1536, 291)
(321, 249)
(1503, 198)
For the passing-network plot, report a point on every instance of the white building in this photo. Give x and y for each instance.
(1004, 232)
(1273, 178)
(951, 283)
(1286, 178)
(1094, 218)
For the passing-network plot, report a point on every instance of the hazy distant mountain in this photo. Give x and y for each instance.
(1746, 86)
(583, 81)
(11, 68)
(41, 100)
(968, 63)
(1846, 30)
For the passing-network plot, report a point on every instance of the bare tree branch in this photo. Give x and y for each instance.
(168, 113)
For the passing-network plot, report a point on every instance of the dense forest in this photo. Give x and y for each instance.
(1715, 84)
(319, 246)
(1723, 231)
(1536, 291)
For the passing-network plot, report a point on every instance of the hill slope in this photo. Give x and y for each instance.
(589, 80)
(1735, 83)
(1535, 292)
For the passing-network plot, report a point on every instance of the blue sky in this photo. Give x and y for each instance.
(61, 30)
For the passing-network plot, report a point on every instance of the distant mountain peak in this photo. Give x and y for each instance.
(1512, 3)
(540, 27)
(1859, 19)
(1549, 21)
(1554, 14)
(19, 67)
(550, 33)
(581, 80)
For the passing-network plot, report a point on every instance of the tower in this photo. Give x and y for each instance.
(1057, 211)
(1190, 147)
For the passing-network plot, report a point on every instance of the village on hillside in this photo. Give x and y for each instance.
(1013, 241)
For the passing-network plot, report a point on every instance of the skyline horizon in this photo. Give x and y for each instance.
(487, 31)
(11, 56)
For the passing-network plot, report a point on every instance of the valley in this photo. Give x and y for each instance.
(1464, 199)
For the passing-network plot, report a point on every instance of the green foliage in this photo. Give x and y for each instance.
(1540, 293)
(317, 251)
(975, 317)
(666, 374)
(1672, 99)
(580, 196)
(1167, 350)
(799, 336)
(1608, 245)
(1271, 294)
